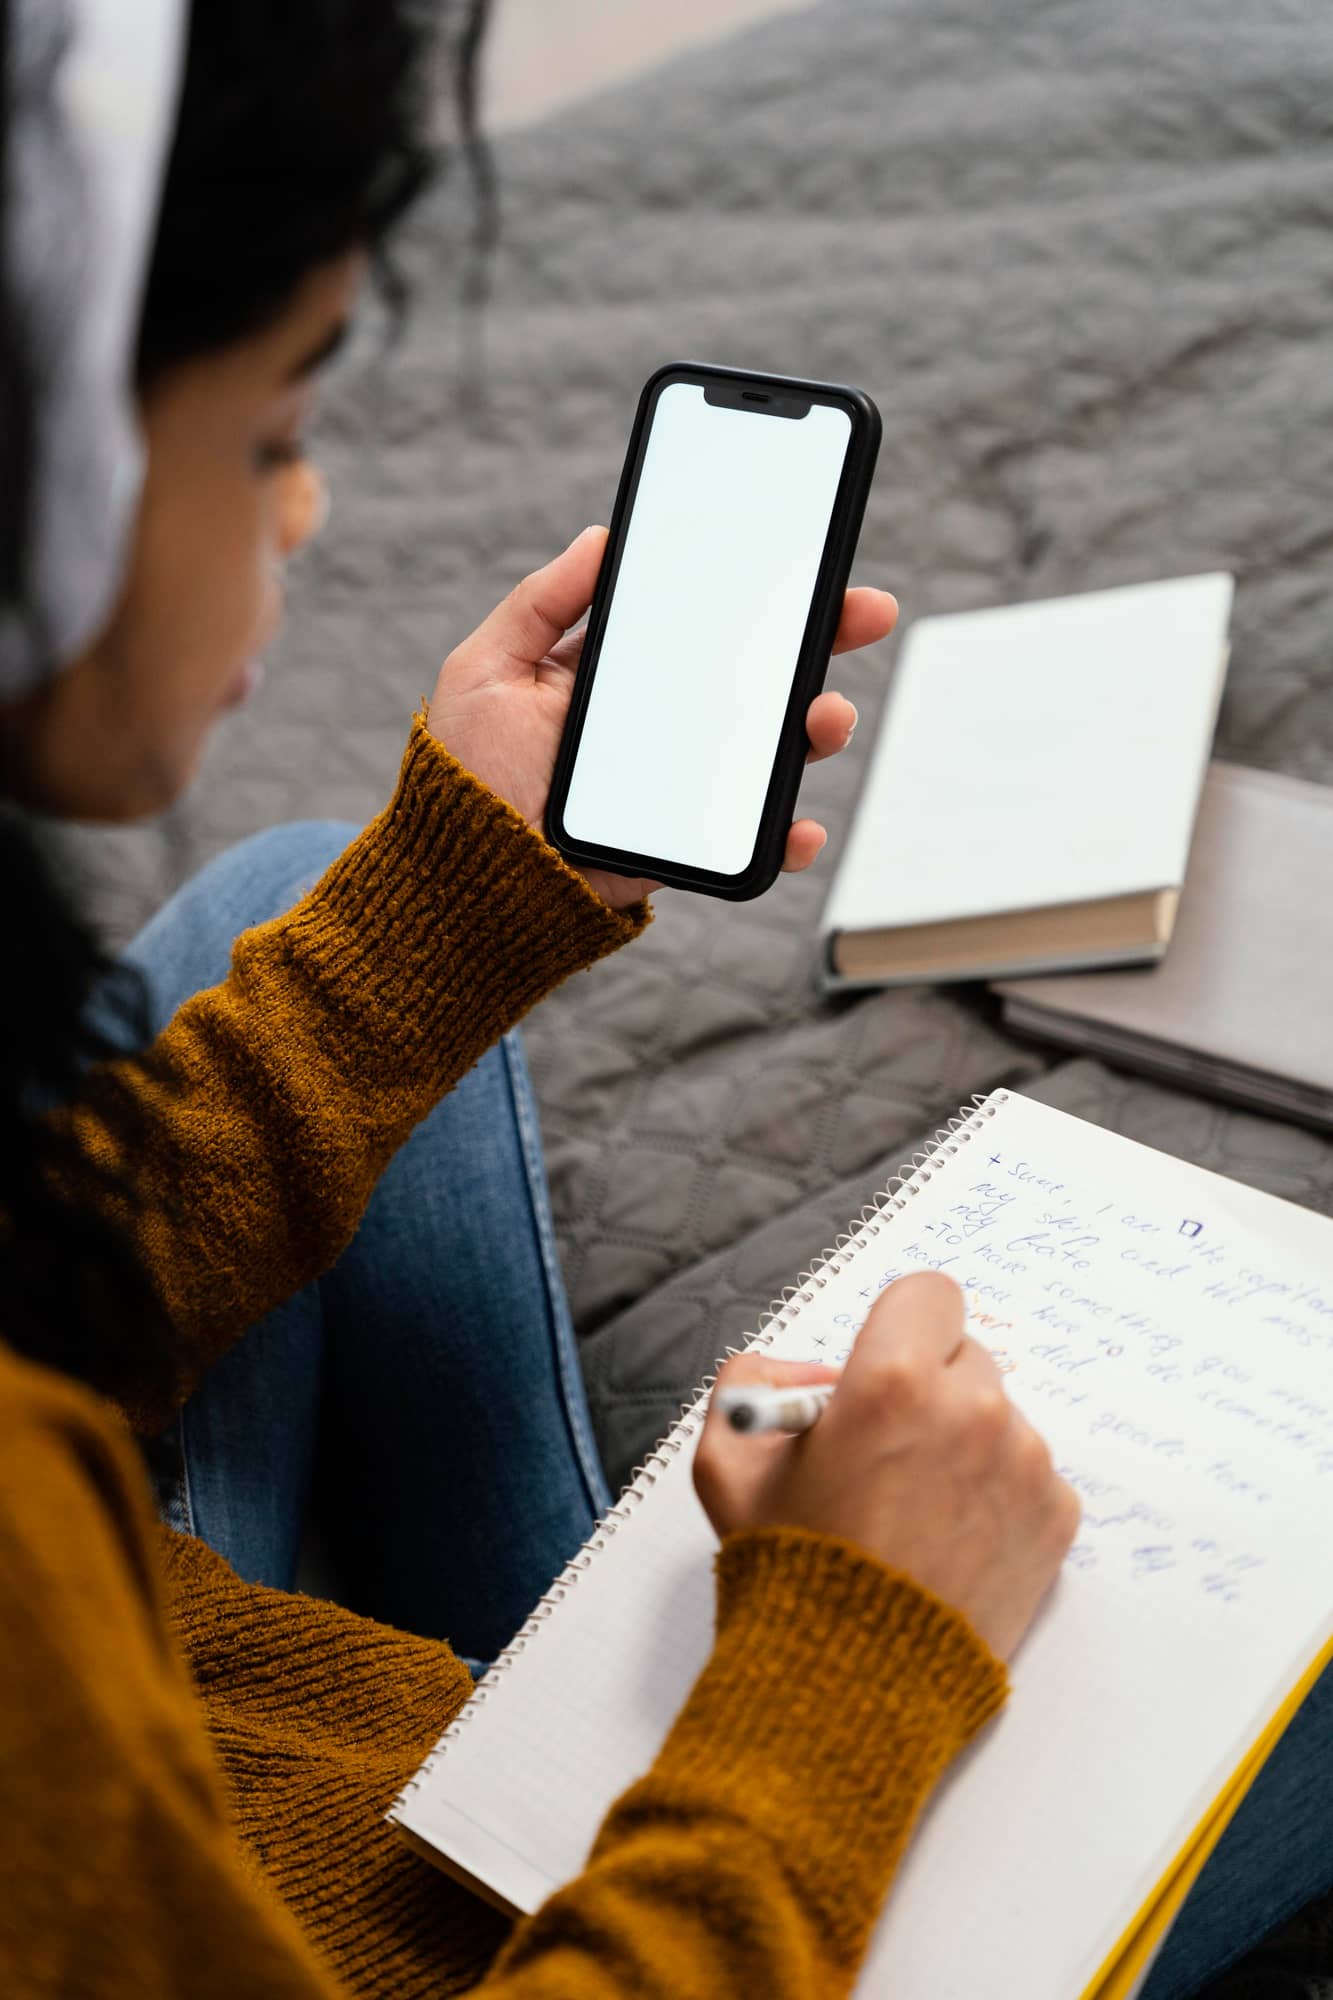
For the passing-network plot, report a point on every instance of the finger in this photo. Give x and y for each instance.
(761, 1371)
(867, 615)
(917, 1321)
(829, 723)
(731, 1466)
(804, 842)
(567, 651)
(973, 1363)
(975, 1398)
(539, 610)
(743, 1369)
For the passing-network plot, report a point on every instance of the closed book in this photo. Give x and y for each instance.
(1239, 1008)
(1033, 788)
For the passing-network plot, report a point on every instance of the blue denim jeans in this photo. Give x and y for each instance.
(427, 1392)
(424, 1395)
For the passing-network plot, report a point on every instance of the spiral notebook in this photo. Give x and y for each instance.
(1171, 1334)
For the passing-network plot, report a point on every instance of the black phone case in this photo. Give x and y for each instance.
(812, 659)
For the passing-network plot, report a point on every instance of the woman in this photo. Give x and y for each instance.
(195, 1762)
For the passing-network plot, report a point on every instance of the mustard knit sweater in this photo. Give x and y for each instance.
(194, 1770)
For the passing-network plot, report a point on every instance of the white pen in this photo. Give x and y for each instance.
(759, 1407)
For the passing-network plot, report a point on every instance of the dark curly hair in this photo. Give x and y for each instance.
(303, 132)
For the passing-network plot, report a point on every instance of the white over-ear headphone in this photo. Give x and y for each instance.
(92, 90)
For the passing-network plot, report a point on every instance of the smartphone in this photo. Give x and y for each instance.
(711, 626)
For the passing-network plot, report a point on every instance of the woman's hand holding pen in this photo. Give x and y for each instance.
(919, 1456)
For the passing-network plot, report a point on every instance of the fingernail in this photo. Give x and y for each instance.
(855, 719)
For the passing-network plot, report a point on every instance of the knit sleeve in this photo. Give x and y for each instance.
(754, 1856)
(751, 1859)
(249, 1136)
(122, 1875)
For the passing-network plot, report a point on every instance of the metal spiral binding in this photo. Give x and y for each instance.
(875, 1216)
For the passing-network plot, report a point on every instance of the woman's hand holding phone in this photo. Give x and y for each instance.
(502, 695)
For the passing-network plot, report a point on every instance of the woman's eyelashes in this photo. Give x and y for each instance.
(276, 453)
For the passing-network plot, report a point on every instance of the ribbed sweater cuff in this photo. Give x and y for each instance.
(837, 1693)
(449, 916)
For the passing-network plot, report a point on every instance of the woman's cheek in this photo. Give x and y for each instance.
(270, 600)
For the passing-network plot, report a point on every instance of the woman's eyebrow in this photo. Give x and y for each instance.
(323, 351)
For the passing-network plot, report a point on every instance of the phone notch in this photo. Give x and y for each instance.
(762, 402)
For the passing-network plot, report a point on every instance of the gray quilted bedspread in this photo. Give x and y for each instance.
(1081, 254)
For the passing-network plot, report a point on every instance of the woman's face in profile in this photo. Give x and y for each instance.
(229, 496)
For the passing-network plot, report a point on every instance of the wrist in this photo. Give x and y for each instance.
(466, 915)
(836, 1695)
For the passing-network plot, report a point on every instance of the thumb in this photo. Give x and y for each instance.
(539, 610)
(731, 1470)
(745, 1371)
(757, 1368)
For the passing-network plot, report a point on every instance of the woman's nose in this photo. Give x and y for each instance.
(303, 507)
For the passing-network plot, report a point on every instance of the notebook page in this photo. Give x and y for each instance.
(579, 1714)
(1171, 1334)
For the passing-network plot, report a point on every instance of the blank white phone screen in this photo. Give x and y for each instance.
(710, 604)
